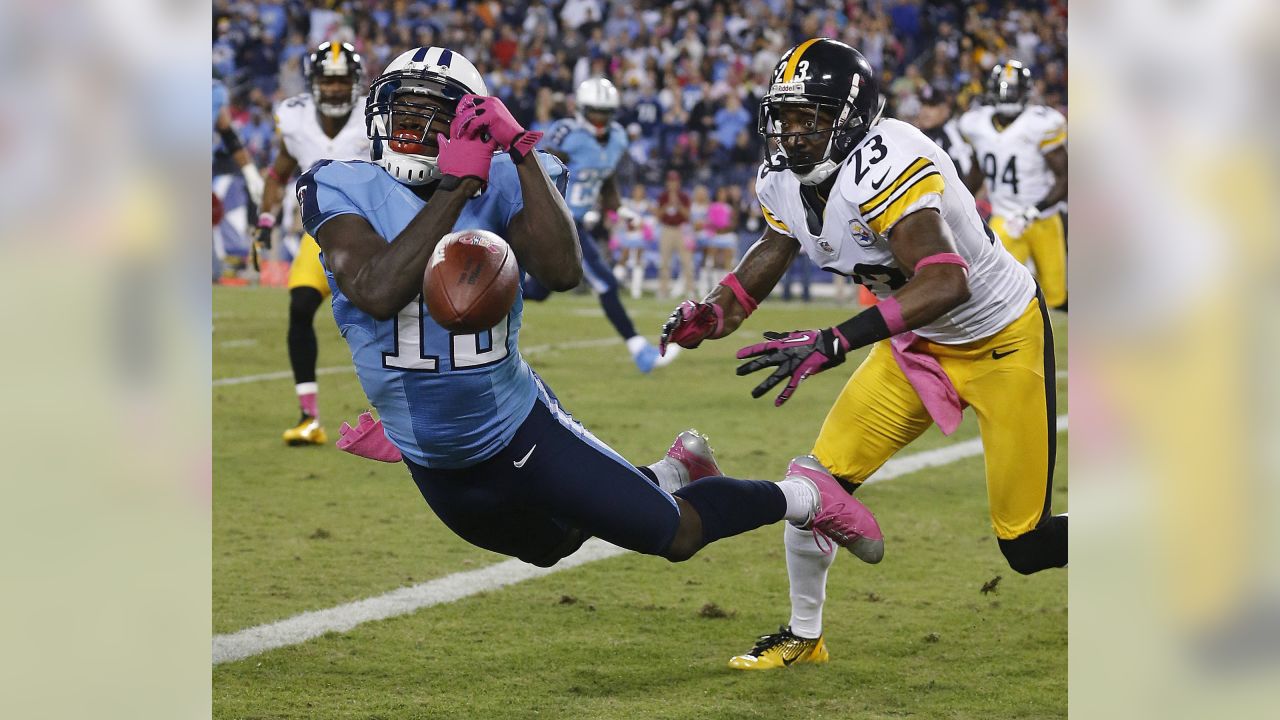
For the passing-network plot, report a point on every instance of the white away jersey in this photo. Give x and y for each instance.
(895, 171)
(1013, 159)
(305, 140)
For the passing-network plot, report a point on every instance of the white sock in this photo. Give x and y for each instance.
(807, 570)
(802, 500)
(671, 475)
(636, 343)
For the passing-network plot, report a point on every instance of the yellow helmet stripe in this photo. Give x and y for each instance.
(335, 50)
(789, 74)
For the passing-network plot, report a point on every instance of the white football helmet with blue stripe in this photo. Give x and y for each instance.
(439, 75)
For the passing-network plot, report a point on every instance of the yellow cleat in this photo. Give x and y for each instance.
(307, 432)
(781, 649)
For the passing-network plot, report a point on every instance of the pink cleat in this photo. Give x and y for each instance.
(694, 454)
(840, 517)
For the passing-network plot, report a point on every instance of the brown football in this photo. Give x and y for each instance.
(471, 281)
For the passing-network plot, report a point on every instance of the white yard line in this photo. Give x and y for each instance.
(531, 350)
(242, 342)
(301, 628)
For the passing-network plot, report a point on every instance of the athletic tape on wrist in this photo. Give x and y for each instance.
(747, 302)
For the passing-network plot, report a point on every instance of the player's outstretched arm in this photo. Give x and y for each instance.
(380, 277)
(921, 241)
(542, 233)
(722, 311)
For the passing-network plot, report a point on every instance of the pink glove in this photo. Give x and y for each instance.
(463, 157)
(690, 323)
(367, 440)
(477, 112)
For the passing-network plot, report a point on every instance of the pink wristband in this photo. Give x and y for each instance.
(942, 259)
(747, 302)
(891, 311)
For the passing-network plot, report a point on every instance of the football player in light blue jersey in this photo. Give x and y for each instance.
(490, 448)
(591, 144)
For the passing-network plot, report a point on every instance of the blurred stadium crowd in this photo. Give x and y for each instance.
(690, 72)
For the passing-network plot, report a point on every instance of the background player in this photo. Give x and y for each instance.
(326, 123)
(959, 320)
(486, 441)
(1021, 150)
(591, 144)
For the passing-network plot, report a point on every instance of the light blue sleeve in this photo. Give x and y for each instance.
(321, 193)
(503, 178)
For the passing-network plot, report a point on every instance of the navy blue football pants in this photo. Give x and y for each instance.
(553, 486)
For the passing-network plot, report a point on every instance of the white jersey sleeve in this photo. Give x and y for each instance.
(300, 131)
(765, 194)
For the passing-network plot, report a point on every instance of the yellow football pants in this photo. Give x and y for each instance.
(306, 270)
(1009, 381)
(1045, 242)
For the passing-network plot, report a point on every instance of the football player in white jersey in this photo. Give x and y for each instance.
(325, 124)
(959, 322)
(1021, 151)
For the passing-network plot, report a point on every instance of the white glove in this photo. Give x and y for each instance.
(591, 219)
(1020, 221)
(253, 183)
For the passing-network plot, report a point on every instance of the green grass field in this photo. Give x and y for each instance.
(299, 529)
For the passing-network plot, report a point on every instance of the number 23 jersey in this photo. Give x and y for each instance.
(897, 170)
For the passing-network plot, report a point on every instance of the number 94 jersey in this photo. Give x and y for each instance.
(897, 170)
(1013, 158)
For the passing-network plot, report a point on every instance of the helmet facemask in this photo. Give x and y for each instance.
(1007, 89)
(334, 61)
(404, 113)
(837, 120)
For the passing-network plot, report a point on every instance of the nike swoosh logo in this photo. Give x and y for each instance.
(801, 339)
(876, 184)
(520, 463)
(996, 354)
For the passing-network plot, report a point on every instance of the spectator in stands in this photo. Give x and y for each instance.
(673, 217)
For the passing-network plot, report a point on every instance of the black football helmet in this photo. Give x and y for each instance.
(1008, 87)
(820, 74)
(334, 59)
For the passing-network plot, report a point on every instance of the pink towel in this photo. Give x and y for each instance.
(931, 383)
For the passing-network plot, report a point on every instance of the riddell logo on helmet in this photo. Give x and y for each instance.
(788, 88)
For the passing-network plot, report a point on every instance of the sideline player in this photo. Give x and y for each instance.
(489, 446)
(959, 320)
(1021, 150)
(591, 144)
(326, 123)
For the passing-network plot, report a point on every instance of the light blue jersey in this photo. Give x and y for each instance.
(590, 162)
(446, 400)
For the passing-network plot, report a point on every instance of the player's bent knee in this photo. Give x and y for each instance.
(688, 538)
(303, 304)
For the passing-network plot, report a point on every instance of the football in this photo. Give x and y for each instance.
(471, 281)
